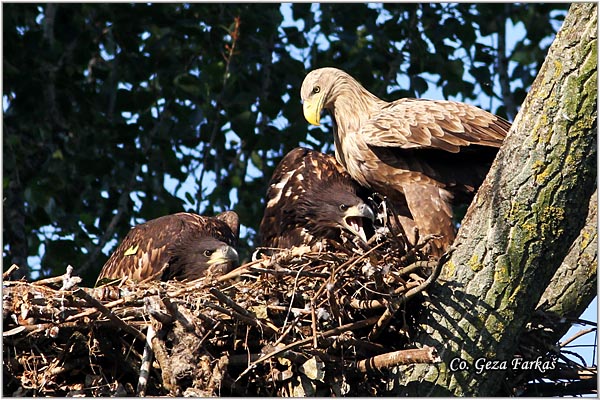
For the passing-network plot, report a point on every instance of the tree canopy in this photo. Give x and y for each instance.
(118, 113)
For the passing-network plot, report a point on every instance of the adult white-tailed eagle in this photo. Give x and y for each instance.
(311, 198)
(419, 153)
(179, 246)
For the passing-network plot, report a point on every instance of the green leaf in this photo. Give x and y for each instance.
(189, 84)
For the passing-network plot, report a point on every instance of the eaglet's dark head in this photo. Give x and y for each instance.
(336, 207)
(201, 256)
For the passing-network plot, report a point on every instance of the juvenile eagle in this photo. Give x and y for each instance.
(311, 198)
(419, 153)
(178, 246)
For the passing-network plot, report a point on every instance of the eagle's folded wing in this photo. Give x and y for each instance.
(444, 125)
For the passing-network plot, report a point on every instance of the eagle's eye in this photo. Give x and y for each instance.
(343, 207)
(316, 89)
(207, 253)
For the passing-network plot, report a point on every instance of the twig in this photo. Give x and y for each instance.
(48, 281)
(223, 298)
(331, 332)
(146, 362)
(64, 279)
(350, 340)
(396, 303)
(241, 311)
(576, 336)
(106, 312)
(183, 319)
(203, 283)
(293, 295)
(250, 320)
(294, 310)
(209, 332)
(426, 355)
(34, 328)
(287, 331)
(417, 265)
(361, 304)
(91, 311)
(9, 271)
(285, 271)
(393, 306)
(348, 263)
(68, 281)
(239, 271)
(160, 352)
(313, 318)
(572, 373)
(152, 306)
(333, 304)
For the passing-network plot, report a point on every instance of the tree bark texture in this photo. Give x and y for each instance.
(521, 224)
(570, 291)
(574, 285)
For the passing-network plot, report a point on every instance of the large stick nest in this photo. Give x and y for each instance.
(294, 322)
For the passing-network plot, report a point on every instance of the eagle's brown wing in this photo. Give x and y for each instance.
(311, 198)
(431, 124)
(433, 152)
(172, 246)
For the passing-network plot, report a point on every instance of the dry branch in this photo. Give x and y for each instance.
(426, 355)
(106, 312)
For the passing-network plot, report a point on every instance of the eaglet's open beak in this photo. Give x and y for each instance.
(312, 108)
(353, 219)
(224, 255)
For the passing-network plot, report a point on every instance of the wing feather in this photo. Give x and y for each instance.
(446, 125)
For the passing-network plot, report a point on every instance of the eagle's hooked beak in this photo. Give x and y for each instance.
(353, 219)
(312, 108)
(224, 255)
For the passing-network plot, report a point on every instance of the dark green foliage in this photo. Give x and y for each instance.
(102, 101)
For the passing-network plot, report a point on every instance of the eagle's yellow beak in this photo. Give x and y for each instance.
(224, 255)
(312, 108)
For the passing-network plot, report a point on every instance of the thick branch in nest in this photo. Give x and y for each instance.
(426, 355)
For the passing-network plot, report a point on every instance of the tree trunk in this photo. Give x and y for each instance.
(571, 290)
(574, 285)
(520, 225)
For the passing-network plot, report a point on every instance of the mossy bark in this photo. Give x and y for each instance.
(521, 224)
(574, 285)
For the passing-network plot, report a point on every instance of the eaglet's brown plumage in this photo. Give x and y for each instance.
(311, 199)
(419, 153)
(182, 246)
